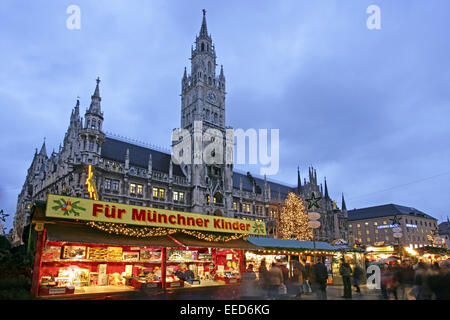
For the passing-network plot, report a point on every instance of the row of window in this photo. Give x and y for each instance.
(415, 222)
(138, 189)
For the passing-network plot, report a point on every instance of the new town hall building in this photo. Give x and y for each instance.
(132, 173)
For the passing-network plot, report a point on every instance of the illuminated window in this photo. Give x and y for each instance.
(234, 205)
(375, 223)
(133, 188)
(175, 196)
(214, 200)
(115, 185)
(367, 231)
(368, 239)
(208, 198)
(140, 189)
(349, 225)
(366, 223)
(155, 192)
(181, 196)
(384, 222)
(108, 184)
(161, 193)
(376, 230)
(387, 238)
(358, 225)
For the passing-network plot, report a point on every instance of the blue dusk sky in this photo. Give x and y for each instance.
(369, 109)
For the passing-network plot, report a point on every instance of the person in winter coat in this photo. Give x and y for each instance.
(320, 277)
(274, 281)
(297, 278)
(263, 274)
(358, 275)
(307, 278)
(346, 272)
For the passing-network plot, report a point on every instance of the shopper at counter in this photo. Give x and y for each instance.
(184, 274)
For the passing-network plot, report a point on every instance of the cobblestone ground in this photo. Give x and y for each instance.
(336, 292)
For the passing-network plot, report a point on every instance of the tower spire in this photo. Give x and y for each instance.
(95, 106)
(299, 181)
(204, 28)
(326, 189)
(43, 151)
(344, 207)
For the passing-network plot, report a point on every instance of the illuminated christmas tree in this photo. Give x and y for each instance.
(294, 220)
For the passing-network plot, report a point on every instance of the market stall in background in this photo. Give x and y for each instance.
(88, 247)
(285, 251)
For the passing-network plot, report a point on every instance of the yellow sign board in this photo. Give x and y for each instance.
(93, 210)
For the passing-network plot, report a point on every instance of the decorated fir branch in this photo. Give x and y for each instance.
(294, 220)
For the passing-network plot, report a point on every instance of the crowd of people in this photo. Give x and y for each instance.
(401, 281)
(419, 281)
(275, 282)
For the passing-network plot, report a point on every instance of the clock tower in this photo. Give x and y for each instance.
(203, 114)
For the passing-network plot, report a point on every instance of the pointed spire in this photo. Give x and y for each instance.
(299, 181)
(185, 73)
(204, 28)
(95, 106)
(343, 207)
(221, 76)
(326, 189)
(43, 151)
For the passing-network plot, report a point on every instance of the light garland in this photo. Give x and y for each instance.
(141, 232)
(145, 232)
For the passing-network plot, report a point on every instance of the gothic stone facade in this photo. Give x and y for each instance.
(128, 172)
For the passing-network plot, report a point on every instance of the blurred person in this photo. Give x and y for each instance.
(346, 272)
(274, 281)
(297, 278)
(263, 274)
(439, 282)
(284, 270)
(421, 289)
(307, 276)
(358, 275)
(384, 274)
(249, 283)
(320, 278)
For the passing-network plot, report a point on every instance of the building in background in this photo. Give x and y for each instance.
(374, 226)
(444, 233)
(126, 171)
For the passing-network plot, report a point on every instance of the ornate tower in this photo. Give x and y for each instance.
(203, 115)
(91, 134)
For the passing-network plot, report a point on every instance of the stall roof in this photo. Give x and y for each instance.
(266, 243)
(191, 241)
(85, 234)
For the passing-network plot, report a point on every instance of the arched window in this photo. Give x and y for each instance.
(88, 123)
(218, 199)
(94, 124)
(209, 67)
(203, 46)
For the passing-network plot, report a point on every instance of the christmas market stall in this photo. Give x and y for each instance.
(429, 254)
(286, 251)
(87, 247)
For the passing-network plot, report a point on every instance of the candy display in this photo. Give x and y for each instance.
(51, 253)
(114, 254)
(97, 253)
(74, 252)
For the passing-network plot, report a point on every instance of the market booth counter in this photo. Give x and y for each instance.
(78, 256)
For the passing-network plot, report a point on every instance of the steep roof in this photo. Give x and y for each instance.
(116, 150)
(247, 185)
(385, 211)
